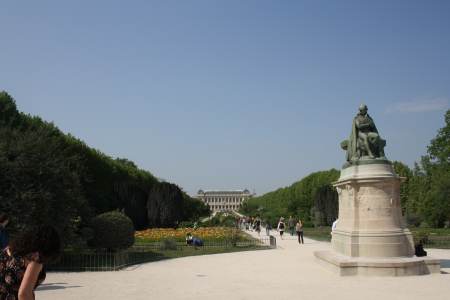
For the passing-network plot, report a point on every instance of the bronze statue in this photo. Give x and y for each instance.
(364, 141)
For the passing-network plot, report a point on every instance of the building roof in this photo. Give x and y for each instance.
(246, 191)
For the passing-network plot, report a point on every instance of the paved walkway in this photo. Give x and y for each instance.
(288, 272)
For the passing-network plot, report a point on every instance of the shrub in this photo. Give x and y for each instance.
(424, 224)
(112, 230)
(186, 224)
(222, 220)
(168, 244)
(413, 219)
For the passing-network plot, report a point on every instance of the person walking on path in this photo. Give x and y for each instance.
(299, 230)
(4, 240)
(258, 225)
(280, 227)
(291, 223)
(268, 228)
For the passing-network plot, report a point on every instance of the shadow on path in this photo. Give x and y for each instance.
(55, 286)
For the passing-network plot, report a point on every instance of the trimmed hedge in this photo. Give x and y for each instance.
(112, 231)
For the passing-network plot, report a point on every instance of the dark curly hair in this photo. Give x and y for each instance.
(44, 240)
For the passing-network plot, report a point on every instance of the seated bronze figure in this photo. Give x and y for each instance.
(364, 141)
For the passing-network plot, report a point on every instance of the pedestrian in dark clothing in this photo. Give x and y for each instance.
(258, 225)
(419, 251)
(299, 230)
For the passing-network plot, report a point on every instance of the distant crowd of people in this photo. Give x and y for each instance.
(295, 226)
(250, 223)
(23, 259)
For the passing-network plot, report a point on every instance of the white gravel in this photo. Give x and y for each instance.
(289, 272)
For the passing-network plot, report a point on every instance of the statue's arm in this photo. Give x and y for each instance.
(374, 128)
(351, 147)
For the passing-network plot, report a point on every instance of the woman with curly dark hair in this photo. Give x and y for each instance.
(22, 263)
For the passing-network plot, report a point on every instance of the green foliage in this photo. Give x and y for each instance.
(168, 244)
(112, 231)
(318, 233)
(51, 177)
(405, 172)
(165, 203)
(297, 199)
(326, 206)
(194, 209)
(8, 110)
(439, 148)
(426, 191)
(39, 181)
(186, 224)
(432, 237)
(420, 237)
(221, 220)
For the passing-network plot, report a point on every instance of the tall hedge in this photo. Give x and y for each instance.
(51, 177)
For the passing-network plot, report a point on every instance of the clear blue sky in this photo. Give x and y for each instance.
(230, 94)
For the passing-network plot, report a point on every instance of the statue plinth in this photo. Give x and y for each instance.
(370, 218)
(371, 237)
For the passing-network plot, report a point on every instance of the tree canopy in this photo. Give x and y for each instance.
(299, 199)
(52, 177)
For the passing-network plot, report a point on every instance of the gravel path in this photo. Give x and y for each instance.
(288, 272)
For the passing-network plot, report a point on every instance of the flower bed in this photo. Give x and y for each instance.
(179, 234)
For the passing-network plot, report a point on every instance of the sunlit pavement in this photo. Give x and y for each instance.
(288, 272)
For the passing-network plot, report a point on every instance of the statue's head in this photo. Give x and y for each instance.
(363, 109)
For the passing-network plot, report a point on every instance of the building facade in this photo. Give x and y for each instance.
(223, 200)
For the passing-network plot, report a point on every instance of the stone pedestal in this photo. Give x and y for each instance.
(371, 237)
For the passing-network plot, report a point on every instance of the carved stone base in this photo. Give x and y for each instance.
(371, 237)
(370, 218)
(374, 244)
(397, 266)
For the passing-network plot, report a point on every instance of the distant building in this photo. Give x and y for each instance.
(223, 200)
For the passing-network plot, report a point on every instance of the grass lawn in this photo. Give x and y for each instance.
(191, 251)
(318, 233)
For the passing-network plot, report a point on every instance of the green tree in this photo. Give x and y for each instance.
(429, 188)
(405, 172)
(39, 183)
(439, 148)
(297, 199)
(165, 204)
(436, 206)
